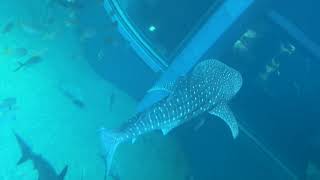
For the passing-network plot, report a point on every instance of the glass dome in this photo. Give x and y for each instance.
(144, 24)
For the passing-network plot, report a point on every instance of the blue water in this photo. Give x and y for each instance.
(103, 80)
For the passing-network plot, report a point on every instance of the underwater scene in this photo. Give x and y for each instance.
(159, 90)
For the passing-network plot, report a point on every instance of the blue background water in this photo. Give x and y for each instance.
(281, 111)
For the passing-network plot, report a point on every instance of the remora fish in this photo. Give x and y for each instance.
(44, 168)
(207, 88)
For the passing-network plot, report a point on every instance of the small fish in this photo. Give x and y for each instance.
(271, 68)
(207, 88)
(101, 55)
(113, 41)
(7, 104)
(100, 2)
(15, 52)
(69, 4)
(32, 28)
(7, 51)
(312, 171)
(199, 124)
(50, 20)
(70, 22)
(20, 52)
(49, 35)
(190, 177)
(8, 28)
(87, 34)
(73, 94)
(287, 48)
(7, 107)
(30, 62)
(109, 40)
(113, 25)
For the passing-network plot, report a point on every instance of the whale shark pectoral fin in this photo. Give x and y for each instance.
(110, 141)
(224, 112)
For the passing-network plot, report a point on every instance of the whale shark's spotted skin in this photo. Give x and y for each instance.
(207, 88)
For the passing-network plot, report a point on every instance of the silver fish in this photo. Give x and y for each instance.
(207, 88)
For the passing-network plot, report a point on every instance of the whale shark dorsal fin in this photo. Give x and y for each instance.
(224, 112)
(167, 87)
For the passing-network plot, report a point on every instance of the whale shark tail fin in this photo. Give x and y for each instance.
(110, 141)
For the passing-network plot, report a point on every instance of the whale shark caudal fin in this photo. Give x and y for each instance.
(223, 111)
(63, 173)
(25, 150)
(110, 141)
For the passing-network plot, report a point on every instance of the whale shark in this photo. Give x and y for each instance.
(208, 87)
(45, 170)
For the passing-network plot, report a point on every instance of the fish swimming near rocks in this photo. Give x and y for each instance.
(45, 170)
(206, 88)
